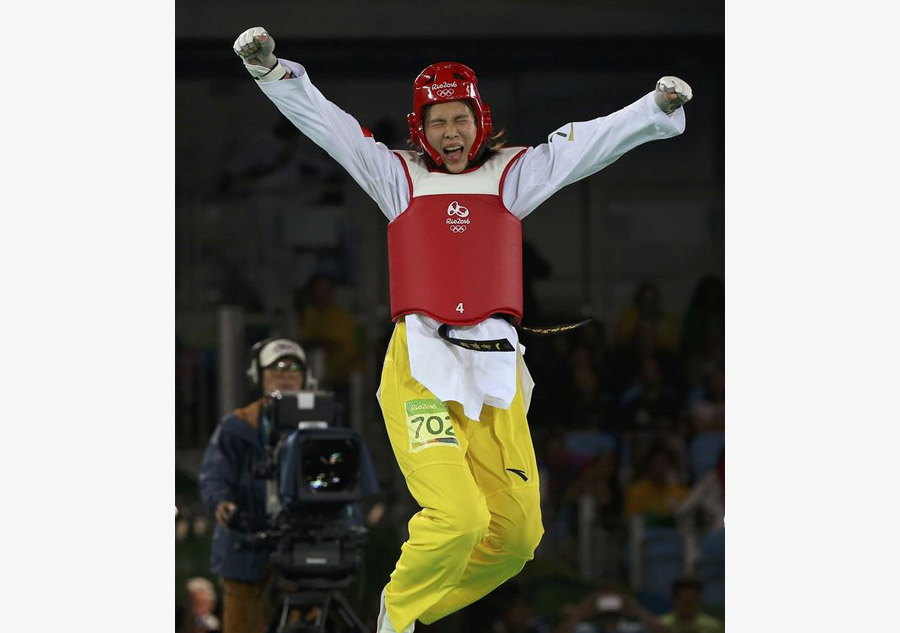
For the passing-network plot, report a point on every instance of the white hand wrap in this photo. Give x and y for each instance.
(672, 85)
(255, 46)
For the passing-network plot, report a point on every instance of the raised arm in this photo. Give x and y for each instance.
(372, 165)
(577, 150)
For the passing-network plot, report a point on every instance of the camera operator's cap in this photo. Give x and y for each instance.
(273, 350)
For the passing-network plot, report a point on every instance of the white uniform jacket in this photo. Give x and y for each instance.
(573, 152)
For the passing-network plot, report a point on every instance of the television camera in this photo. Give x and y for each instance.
(316, 474)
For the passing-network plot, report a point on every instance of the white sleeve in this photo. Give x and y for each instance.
(577, 150)
(376, 168)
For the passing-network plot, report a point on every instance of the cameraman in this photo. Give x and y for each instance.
(232, 493)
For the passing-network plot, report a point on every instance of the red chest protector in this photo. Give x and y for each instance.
(455, 253)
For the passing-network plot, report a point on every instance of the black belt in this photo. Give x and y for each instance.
(501, 344)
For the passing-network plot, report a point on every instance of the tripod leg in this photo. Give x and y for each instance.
(343, 608)
(333, 613)
(297, 609)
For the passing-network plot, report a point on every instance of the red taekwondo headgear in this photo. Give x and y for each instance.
(442, 82)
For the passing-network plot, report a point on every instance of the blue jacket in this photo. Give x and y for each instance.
(226, 475)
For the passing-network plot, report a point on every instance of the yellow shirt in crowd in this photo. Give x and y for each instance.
(332, 328)
(643, 497)
(701, 624)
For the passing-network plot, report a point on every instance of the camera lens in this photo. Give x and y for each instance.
(330, 465)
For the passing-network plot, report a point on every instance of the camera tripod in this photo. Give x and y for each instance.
(313, 605)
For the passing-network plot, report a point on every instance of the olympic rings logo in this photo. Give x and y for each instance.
(445, 92)
(458, 229)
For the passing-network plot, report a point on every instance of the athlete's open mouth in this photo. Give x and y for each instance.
(453, 153)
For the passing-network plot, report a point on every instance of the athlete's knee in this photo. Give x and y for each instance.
(472, 520)
(525, 540)
(518, 529)
(466, 523)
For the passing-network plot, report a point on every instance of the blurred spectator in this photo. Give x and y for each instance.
(589, 403)
(199, 616)
(650, 413)
(650, 402)
(636, 448)
(703, 327)
(592, 336)
(329, 327)
(557, 471)
(608, 611)
(655, 495)
(629, 359)
(686, 616)
(705, 503)
(560, 467)
(617, 612)
(508, 609)
(706, 404)
(646, 308)
(597, 479)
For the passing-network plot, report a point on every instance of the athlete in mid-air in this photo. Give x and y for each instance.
(454, 387)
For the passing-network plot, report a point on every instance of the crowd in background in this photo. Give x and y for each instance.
(629, 422)
(624, 418)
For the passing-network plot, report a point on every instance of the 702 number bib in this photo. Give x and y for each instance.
(428, 424)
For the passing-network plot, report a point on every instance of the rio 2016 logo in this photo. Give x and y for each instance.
(457, 224)
(444, 90)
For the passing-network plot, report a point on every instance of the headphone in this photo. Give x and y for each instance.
(254, 366)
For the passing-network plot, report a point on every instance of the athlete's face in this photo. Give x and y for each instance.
(450, 129)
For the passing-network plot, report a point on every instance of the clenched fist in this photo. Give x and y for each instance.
(255, 47)
(672, 93)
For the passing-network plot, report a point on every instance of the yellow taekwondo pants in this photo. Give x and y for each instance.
(477, 484)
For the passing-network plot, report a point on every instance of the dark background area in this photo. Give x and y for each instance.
(261, 210)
